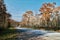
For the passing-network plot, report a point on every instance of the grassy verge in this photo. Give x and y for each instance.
(7, 36)
(7, 33)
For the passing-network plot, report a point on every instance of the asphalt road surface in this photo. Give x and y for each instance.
(27, 33)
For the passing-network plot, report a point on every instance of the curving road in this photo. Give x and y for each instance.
(29, 34)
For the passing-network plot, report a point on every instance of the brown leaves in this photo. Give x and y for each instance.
(47, 7)
(29, 12)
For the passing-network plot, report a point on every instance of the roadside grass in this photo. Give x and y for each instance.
(7, 33)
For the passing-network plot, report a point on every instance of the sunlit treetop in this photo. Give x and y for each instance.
(29, 12)
(47, 7)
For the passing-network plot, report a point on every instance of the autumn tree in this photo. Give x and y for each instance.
(57, 15)
(26, 17)
(46, 9)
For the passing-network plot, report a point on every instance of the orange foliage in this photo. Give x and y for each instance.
(46, 9)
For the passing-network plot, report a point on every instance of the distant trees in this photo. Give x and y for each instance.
(27, 18)
(49, 16)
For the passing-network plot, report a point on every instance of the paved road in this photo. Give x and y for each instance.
(30, 34)
(26, 34)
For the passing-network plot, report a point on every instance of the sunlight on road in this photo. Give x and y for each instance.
(48, 36)
(21, 28)
(52, 36)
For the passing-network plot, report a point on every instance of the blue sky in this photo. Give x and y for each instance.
(17, 7)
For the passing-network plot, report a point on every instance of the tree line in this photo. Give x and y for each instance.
(49, 17)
